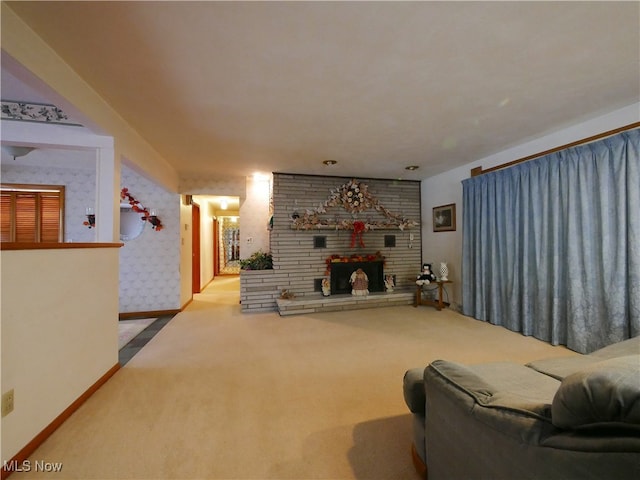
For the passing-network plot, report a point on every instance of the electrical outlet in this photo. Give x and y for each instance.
(7, 403)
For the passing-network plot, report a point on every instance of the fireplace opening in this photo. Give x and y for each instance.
(341, 274)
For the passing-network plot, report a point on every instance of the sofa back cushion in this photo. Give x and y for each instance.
(631, 346)
(607, 392)
(561, 367)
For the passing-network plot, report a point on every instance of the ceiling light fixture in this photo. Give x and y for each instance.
(16, 151)
(330, 162)
(412, 167)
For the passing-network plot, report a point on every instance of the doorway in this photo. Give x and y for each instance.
(215, 237)
(195, 248)
(229, 234)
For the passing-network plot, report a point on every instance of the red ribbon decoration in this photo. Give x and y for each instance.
(358, 230)
(156, 224)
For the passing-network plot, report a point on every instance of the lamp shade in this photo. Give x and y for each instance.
(16, 151)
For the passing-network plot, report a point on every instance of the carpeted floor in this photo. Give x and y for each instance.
(129, 329)
(218, 394)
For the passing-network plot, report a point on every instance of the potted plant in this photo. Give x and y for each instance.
(258, 261)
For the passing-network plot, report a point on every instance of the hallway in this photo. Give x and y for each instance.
(222, 290)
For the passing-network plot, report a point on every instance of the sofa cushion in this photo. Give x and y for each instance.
(602, 393)
(631, 346)
(562, 367)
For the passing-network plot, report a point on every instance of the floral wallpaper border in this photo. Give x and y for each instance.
(35, 112)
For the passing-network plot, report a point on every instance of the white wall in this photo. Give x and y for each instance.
(206, 241)
(447, 187)
(98, 147)
(150, 264)
(78, 179)
(185, 252)
(59, 333)
(254, 216)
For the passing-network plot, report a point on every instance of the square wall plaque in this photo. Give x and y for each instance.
(319, 242)
(389, 240)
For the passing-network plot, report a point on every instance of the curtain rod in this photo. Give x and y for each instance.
(479, 171)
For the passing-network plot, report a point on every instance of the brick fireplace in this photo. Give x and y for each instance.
(300, 253)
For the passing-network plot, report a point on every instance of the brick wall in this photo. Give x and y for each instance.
(298, 265)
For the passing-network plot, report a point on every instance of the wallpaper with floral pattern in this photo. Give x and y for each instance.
(79, 186)
(150, 264)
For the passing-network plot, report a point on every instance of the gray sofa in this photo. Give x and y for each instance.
(560, 418)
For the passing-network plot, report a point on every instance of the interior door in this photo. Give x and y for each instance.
(195, 242)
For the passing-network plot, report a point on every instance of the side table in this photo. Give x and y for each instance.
(439, 304)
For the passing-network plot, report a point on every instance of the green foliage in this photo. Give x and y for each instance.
(258, 261)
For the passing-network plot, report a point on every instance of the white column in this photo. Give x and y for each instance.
(107, 195)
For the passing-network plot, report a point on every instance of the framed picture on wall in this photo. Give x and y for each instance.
(444, 218)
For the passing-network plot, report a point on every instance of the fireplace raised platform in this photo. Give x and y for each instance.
(334, 303)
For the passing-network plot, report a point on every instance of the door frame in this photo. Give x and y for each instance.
(195, 248)
(216, 246)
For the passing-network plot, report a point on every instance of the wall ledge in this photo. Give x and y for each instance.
(56, 246)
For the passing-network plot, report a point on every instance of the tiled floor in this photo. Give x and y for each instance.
(231, 268)
(130, 349)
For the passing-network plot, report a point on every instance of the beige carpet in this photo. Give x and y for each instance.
(218, 394)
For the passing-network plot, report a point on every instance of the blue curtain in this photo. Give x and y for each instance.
(551, 247)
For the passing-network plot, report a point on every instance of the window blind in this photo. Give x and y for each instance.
(32, 213)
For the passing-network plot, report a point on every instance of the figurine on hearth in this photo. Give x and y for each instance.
(359, 283)
(389, 283)
(326, 287)
(426, 277)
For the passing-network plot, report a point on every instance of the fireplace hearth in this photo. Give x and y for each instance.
(341, 274)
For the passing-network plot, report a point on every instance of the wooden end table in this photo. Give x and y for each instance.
(439, 304)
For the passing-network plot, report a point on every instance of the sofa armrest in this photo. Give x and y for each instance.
(413, 390)
(468, 434)
(502, 385)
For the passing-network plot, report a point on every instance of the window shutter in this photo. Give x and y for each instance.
(50, 218)
(26, 230)
(5, 217)
(32, 213)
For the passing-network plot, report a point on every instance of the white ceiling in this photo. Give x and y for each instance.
(230, 88)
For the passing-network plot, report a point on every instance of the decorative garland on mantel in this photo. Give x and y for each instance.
(371, 257)
(136, 206)
(355, 198)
